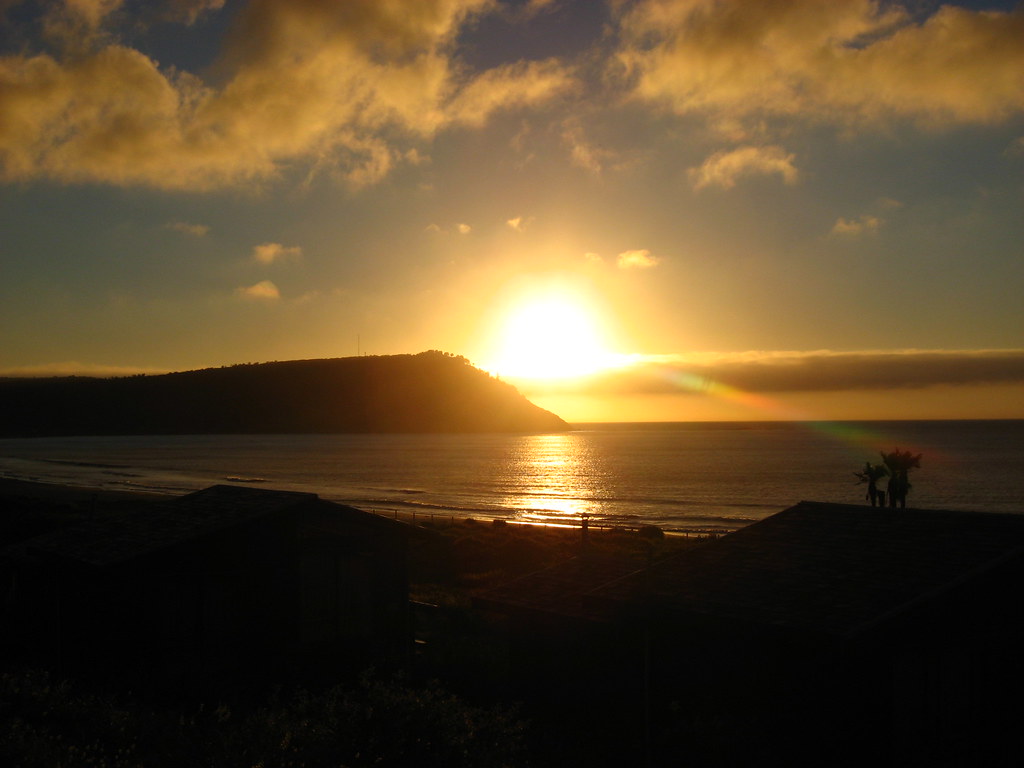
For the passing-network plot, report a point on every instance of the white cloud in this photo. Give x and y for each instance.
(518, 224)
(637, 259)
(263, 290)
(464, 229)
(268, 253)
(723, 169)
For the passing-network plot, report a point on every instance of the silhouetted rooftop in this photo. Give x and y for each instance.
(155, 527)
(561, 588)
(824, 568)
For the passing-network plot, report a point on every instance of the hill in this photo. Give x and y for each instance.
(428, 392)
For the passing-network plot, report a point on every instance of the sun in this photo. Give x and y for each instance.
(550, 337)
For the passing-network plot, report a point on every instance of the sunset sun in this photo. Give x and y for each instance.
(551, 338)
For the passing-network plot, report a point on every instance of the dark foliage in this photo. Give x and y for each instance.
(899, 463)
(379, 722)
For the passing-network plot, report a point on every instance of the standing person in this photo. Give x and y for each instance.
(871, 474)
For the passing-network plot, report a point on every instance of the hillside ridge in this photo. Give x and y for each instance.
(427, 392)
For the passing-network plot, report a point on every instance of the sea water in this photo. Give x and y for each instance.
(680, 476)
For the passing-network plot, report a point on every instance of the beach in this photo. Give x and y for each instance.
(467, 553)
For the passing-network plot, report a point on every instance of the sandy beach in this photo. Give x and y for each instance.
(463, 553)
(67, 494)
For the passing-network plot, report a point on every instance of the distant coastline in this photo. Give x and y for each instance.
(428, 392)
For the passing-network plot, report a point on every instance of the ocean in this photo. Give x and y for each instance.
(688, 477)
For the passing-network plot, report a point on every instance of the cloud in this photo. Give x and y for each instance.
(508, 87)
(189, 11)
(865, 224)
(722, 169)
(820, 371)
(460, 228)
(74, 24)
(855, 63)
(353, 88)
(581, 152)
(268, 253)
(638, 259)
(195, 230)
(263, 290)
(518, 224)
(529, 9)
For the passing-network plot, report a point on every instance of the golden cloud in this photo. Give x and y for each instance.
(852, 62)
(195, 230)
(189, 11)
(268, 253)
(73, 24)
(636, 259)
(351, 87)
(722, 169)
(865, 224)
(263, 290)
(508, 87)
(582, 153)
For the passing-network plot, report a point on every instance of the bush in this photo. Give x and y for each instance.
(379, 722)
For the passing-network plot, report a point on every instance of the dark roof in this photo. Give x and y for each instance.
(155, 527)
(828, 568)
(561, 588)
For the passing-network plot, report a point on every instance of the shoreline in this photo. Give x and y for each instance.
(63, 493)
(76, 495)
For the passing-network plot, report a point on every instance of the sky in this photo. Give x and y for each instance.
(633, 211)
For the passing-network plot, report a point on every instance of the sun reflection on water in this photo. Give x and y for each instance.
(552, 478)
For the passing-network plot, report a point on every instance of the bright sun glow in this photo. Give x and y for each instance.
(551, 338)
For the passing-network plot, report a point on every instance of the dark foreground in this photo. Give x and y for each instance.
(830, 635)
(441, 708)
